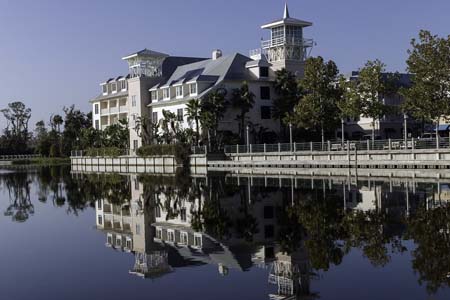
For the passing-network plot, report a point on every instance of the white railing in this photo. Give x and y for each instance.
(286, 41)
(368, 145)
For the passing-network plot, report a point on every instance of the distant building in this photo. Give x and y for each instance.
(390, 126)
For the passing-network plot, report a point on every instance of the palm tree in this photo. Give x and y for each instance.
(193, 113)
(242, 99)
(58, 121)
(212, 111)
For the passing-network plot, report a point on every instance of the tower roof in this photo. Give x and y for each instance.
(145, 53)
(287, 20)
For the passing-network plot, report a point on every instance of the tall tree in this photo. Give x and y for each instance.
(349, 104)
(243, 100)
(213, 109)
(17, 116)
(74, 122)
(317, 108)
(288, 93)
(428, 98)
(373, 85)
(193, 113)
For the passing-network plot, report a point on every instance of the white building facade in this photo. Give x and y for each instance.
(158, 82)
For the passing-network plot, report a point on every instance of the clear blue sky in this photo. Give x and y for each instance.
(55, 53)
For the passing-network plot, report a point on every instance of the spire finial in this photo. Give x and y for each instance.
(286, 11)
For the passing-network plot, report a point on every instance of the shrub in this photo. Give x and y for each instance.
(106, 151)
(180, 151)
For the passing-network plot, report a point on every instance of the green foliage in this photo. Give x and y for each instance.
(54, 151)
(317, 108)
(193, 113)
(243, 100)
(74, 123)
(429, 97)
(213, 109)
(16, 135)
(289, 92)
(116, 135)
(180, 151)
(105, 151)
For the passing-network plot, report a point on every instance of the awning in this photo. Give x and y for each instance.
(443, 127)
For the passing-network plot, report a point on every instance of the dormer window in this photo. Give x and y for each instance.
(105, 89)
(114, 87)
(123, 85)
(166, 94)
(264, 72)
(193, 89)
(179, 91)
(154, 95)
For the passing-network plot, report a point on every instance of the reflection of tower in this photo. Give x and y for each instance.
(291, 274)
(153, 264)
(286, 47)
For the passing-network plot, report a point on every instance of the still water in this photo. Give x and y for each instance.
(110, 236)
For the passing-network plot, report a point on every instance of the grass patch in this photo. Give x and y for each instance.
(43, 161)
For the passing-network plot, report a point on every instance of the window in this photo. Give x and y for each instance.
(193, 89)
(154, 95)
(180, 114)
(96, 109)
(138, 229)
(133, 100)
(166, 94)
(105, 89)
(118, 241)
(136, 184)
(265, 93)
(179, 91)
(100, 220)
(269, 231)
(265, 112)
(99, 204)
(157, 211)
(268, 212)
(155, 117)
(123, 85)
(97, 124)
(263, 72)
(197, 240)
(135, 145)
(184, 238)
(114, 87)
(158, 233)
(170, 235)
(183, 215)
(128, 244)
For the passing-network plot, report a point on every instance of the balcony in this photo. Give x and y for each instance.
(104, 111)
(306, 43)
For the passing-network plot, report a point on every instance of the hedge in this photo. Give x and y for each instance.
(180, 151)
(107, 151)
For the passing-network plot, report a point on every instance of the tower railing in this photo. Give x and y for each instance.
(280, 41)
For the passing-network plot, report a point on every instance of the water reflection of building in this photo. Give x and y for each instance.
(127, 228)
(161, 226)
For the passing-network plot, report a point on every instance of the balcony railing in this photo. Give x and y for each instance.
(286, 41)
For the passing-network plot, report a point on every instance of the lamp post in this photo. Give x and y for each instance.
(248, 136)
(342, 131)
(405, 128)
(290, 135)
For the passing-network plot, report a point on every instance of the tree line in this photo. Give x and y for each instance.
(59, 135)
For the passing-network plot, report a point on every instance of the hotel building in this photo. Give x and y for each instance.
(157, 81)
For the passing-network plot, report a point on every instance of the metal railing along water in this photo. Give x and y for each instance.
(366, 145)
